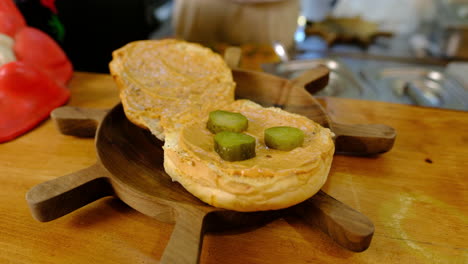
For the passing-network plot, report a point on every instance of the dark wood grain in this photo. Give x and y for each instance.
(348, 227)
(78, 122)
(269, 90)
(363, 139)
(313, 80)
(52, 199)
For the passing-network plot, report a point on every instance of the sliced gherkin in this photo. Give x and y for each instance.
(220, 120)
(233, 146)
(284, 137)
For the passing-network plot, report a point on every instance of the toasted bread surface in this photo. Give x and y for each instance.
(165, 83)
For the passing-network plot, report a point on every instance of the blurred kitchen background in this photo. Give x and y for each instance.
(404, 51)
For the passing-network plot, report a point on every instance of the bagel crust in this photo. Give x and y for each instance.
(165, 83)
(273, 179)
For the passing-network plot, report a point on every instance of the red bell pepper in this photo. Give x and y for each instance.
(50, 4)
(11, 19)
(32, 86)
(27, 96)
(36, 48)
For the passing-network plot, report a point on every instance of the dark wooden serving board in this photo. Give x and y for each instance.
(130, 167)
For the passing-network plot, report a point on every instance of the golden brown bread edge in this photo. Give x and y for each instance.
(116, 70)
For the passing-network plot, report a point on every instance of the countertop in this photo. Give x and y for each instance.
(416, 195)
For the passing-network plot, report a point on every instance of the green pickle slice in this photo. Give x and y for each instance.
(233, 146)
(284, 137)
(220, 120)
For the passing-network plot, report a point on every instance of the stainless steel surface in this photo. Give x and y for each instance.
(342, 83)
(417, 84)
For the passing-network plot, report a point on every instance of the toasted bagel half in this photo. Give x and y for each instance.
(273, 179)
(166, 83)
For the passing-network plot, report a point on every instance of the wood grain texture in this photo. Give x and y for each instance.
(77, 122)
(320, 76)
(416, 195)
(58, 197)
(347, 227)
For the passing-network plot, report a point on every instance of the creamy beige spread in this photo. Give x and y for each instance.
(198, 140)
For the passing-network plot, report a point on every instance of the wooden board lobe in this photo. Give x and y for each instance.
(130, 167)
(135, 158)
(269, 90)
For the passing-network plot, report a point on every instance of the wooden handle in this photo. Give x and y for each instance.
(313, 80)
(363, 139)
(359, 139)
(75, 121)
(55, 198)
(186, 241)
(346, 226)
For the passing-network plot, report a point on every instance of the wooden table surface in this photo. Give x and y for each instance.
(416, 195)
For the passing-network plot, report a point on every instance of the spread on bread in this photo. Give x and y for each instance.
(171, 86)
